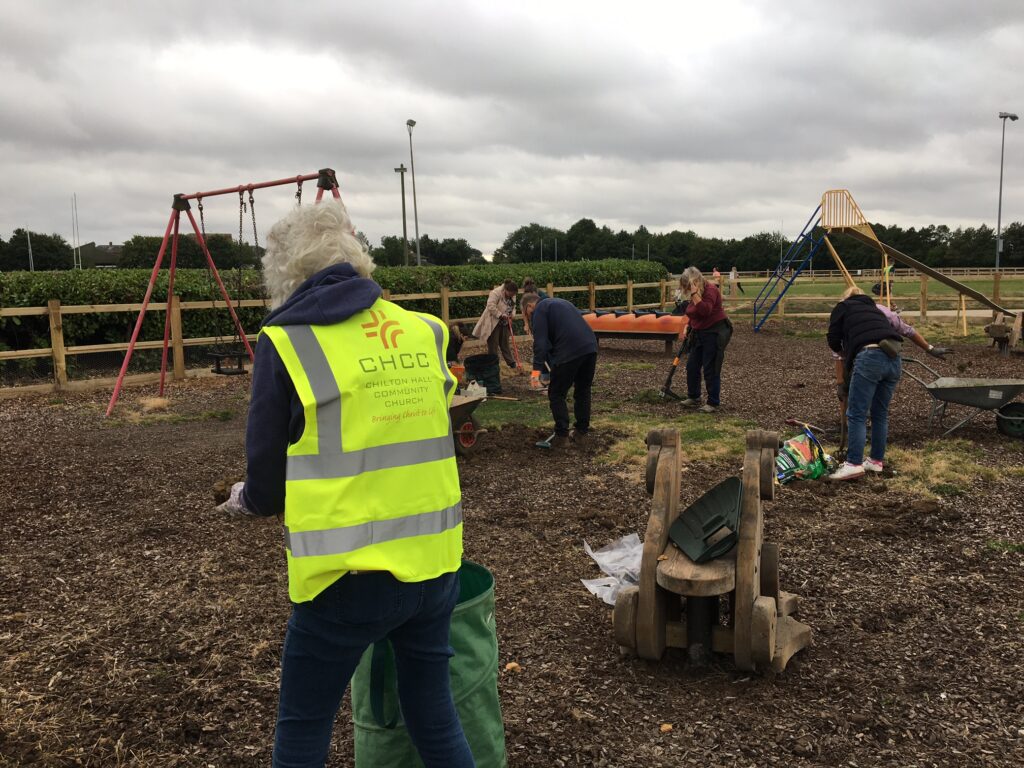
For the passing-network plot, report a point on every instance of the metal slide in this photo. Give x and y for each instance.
(924, 269)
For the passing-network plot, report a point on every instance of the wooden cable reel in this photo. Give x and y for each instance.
(761, 630)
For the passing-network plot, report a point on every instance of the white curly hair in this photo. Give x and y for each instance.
(310, 238)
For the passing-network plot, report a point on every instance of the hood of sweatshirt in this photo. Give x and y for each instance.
(330, 296)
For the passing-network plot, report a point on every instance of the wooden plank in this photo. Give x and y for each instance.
(87, 385)
(748, 554)
(629, 295)
(60, 368)
(22, 311)
(787, 603)
(444, 304)
(85, 309)
(763, 630)
(24, 354)
(551, 290)
(651, 605)
(790, 636)
(593, 297)
(156, 344)
(923, 301)
(178, 349)
(415, 296)
(679, 574)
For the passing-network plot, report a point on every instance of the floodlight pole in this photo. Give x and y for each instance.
(405, 230)
(410, 124)
(999, 214)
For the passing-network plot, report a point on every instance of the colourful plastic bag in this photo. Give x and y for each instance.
(801, 458)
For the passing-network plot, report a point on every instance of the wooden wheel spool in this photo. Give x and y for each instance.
(760, 629)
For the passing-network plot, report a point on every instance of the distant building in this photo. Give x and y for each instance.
(94, 255)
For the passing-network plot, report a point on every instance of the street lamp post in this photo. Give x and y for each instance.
(405, 231)
(410, 124)
(999, 214)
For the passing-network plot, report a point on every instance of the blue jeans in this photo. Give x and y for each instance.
(326, 638)
(872, 383)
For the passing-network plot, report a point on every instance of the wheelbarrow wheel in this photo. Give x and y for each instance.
(466, 435)
(1010, 419)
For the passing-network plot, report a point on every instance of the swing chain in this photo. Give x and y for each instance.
(241, 210)
(255, 235)
(202, 219)
(298, 194)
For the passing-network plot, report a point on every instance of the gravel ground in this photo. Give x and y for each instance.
(139, 628)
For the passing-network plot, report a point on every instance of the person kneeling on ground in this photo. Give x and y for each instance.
(360, 565)
(564, 344)
(868, 337)
(710, 331)
(495, 323)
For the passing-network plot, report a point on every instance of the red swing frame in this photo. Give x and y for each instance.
(326, 179)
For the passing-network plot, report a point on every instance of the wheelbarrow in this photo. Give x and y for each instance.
(979, 394)
(466, 430)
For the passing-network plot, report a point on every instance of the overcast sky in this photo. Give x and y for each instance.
(727, 117)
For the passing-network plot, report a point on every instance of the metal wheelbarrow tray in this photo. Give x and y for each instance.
(466, 430)
(980, 394)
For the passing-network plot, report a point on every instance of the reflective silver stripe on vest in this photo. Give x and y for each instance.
(331, 460)
(449, 382)
(324, 385)
(338, 541)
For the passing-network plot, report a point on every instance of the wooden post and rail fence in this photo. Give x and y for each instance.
(58, 351)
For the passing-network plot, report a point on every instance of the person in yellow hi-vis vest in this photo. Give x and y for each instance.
(349, 438)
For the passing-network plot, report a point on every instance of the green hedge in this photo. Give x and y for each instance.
(122, 286)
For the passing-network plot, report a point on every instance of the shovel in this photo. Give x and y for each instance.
(546, 443)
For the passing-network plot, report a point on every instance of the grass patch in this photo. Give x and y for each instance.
(138, 418)
(1002, 545)
(703, 437)
(939, 468)
(530, 412)
(804, 333)
(626, 366)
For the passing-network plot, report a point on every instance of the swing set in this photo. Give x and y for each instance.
(325, 180)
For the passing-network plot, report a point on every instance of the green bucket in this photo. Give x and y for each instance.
(381, 739)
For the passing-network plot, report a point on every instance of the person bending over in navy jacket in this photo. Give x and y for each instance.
(564, 345)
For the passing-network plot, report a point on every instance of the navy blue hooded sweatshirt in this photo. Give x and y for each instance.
(275, 411)
(560, 334)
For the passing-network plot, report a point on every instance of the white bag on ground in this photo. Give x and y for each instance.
(621, 561)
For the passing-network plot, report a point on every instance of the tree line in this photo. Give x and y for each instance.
(935, 245)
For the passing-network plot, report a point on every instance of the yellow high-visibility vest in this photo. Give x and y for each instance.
(372, 483)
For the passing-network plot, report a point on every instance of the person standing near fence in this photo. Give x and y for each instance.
(367, 485)
(710, 331)
(495, 324)
(734, 282)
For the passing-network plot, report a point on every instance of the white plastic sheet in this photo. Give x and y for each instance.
(621, 561)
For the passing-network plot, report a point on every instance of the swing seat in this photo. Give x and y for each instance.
(220, 356)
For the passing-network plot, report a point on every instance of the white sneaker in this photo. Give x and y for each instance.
(873, 466)
(848, 471)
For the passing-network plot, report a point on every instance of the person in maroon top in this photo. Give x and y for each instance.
(710, 331)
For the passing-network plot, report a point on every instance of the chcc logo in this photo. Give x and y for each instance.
(386, 330)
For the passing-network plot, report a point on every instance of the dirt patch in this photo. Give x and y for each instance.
(138, 627)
